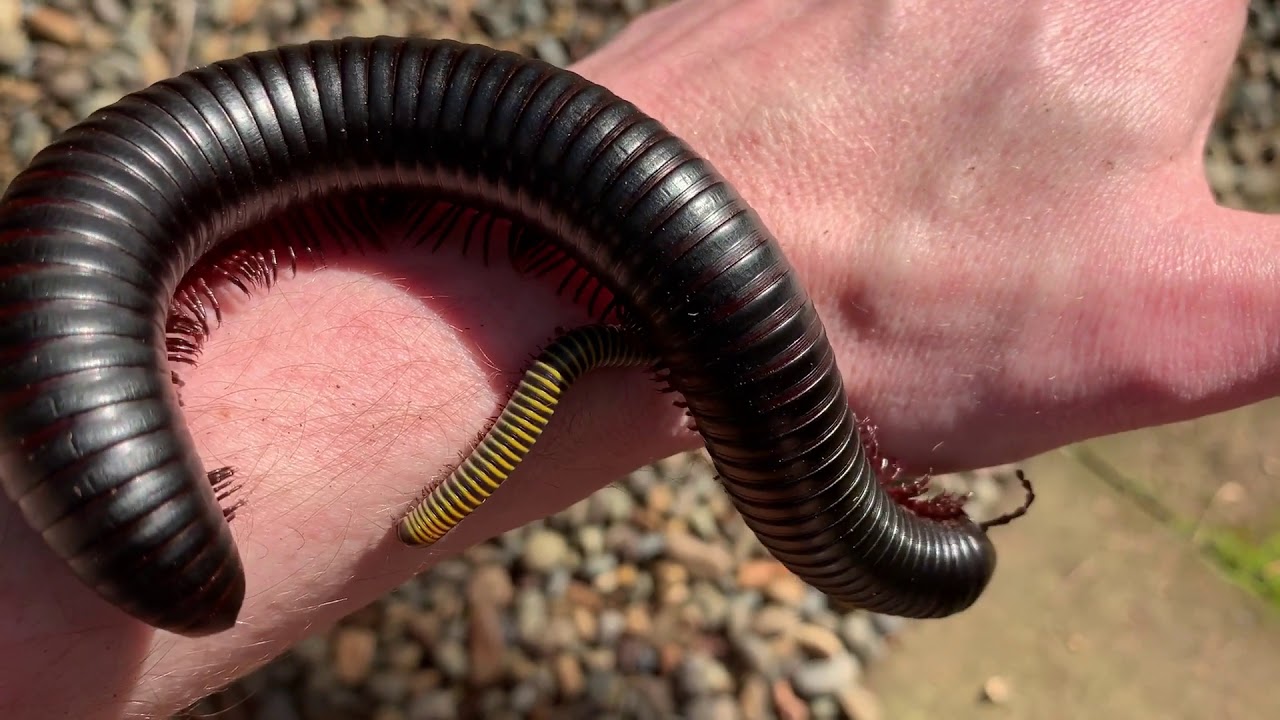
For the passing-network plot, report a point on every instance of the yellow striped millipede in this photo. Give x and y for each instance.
(519, 426)
(109, 238)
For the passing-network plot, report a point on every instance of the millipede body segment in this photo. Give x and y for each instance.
(98, 231)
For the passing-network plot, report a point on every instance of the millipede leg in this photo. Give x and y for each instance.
(220, 480)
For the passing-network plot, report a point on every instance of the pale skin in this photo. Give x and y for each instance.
(999, 210)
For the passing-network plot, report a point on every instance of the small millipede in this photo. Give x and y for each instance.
(111, 236)
(519, 426)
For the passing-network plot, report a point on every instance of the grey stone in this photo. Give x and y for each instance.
(545, 550)
(825, 677)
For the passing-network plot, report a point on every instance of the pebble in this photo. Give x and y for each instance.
(818, 641)
(490, 585)
(396, 615)
(523, 697)
(451, 659)
(115, 68)
(774, 620)
(69, 84)
(702, 521)
(111, 13)
(497, 23)
(591, 540)
(860, 636)
(552, 50)
(757, 574)
(887, 625)
(15, 47)
(787, 703)
(312, 650)
(700, 558)
(787, 590)
(369, 18)
(711, 604)
(531, 612)
(28, 135)
(758, 655)
(611, 625)
(637, 656)
(660, 498)
(569, 675)
(753, 699)
(859, 703)
(275, 704)
(47, 23)
(433, 705)
(389, 688)
(701, 674)
(534, 12)
(634, 7)
(996, 690)
(486, 645)
(558, 581)
(354, 650)
(561, 635)
(824, 708)
(599, 565)
(545, 550)
(824, 677)
(638, 620)
(607, 582)
(647, 547)
(610, 505)
(586, 622)
(713, 707)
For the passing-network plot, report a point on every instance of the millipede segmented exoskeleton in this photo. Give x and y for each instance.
(110, 236)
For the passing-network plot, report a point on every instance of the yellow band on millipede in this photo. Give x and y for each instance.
(518, 427)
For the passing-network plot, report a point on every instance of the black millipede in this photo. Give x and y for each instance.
(100, 230)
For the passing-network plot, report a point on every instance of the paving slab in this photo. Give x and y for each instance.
(1101, 608)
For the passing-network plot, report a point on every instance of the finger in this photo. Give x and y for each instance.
(1195, 322)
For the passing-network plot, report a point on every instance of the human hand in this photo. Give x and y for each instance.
(1067, 278)
(1000, 211)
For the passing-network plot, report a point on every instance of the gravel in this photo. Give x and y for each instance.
(650, 598)
(1242, 158)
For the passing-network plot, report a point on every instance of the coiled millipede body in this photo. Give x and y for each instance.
(98, 233)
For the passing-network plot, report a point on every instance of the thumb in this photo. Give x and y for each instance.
(1217, 318)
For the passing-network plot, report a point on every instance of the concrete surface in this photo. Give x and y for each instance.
(1104, 608)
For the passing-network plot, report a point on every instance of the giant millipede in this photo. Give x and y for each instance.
(99, 236)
